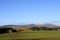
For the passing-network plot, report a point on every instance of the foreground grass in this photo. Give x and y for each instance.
(31, 35)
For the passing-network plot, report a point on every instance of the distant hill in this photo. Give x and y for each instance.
(30, 25)
(48, 24)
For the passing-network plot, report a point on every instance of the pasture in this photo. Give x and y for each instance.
(31, 35)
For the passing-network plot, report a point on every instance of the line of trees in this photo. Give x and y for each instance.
(43, 28)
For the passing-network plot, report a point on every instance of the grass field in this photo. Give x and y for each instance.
(31, 35)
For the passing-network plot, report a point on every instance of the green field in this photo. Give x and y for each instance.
(31, 35)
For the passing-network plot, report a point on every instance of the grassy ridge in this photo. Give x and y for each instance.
(37, 35)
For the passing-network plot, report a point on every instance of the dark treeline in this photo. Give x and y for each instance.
(43, 28)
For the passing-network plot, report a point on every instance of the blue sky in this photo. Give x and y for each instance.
(29, 11)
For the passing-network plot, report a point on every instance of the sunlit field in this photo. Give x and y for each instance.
(31, 35)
